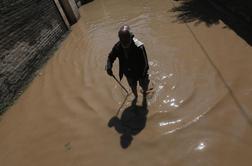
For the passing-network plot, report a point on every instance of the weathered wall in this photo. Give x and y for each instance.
(28, 30)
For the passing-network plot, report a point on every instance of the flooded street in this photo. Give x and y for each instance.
(198, 114)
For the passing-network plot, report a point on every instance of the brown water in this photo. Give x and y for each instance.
(200, 112)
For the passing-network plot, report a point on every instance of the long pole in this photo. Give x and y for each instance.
(120, 84)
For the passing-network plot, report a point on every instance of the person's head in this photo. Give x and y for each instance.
(125, 36)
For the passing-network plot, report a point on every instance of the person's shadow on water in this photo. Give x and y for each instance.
(132, 122)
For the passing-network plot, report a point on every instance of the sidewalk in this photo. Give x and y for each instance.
(229, 55)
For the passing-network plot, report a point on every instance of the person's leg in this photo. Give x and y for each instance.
(144, 83)
(133, 85)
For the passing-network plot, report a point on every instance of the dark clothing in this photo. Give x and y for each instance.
(133, 62)
(143, 82)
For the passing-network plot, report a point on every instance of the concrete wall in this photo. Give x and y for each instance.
(28, 31)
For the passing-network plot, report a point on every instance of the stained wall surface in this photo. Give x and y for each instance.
(28, 30)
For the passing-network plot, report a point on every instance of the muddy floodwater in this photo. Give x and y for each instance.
(199, 113)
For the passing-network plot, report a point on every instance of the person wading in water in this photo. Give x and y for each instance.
(133, 61)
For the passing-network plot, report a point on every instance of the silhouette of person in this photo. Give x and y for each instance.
(132, 122)
(133, 61)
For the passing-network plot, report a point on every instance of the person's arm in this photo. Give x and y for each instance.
(111, 58)
(145, 60)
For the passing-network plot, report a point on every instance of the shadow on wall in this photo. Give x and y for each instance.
(241, 8)
(197, 11)
(205, 11)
